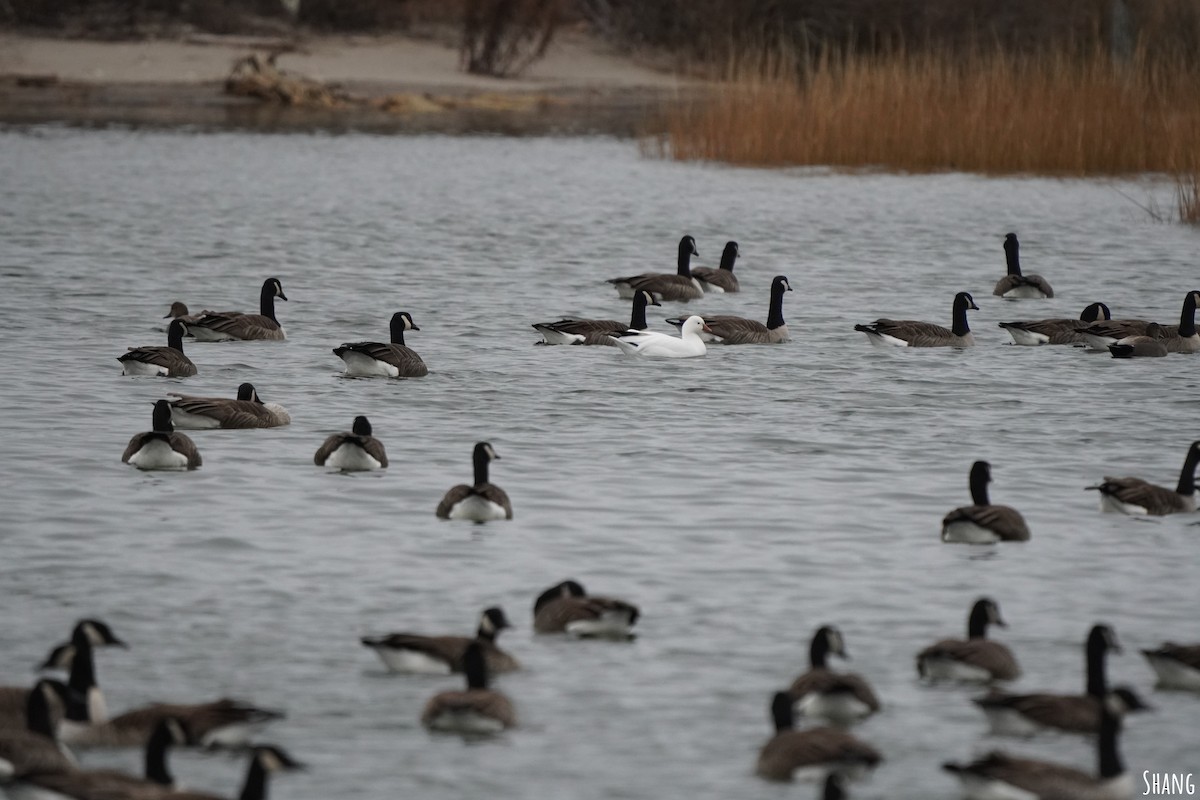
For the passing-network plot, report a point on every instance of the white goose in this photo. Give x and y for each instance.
(662, 345)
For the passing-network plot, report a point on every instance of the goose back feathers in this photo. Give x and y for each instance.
(355, 450)
(32, 748)
(225, 326)
(1056, 331)
(1136, 496)
(810, 754)
(1151, 344)
(911, 333)
(246, 411)
(596, 331)
(482, 501)
(1181, 339)
(721, 279)
(169, 361)
(680, 287)
(975, 658)
(384, 360)
(411, 652)
(161, 447)
(740, 330)
(568, 608)
(840, 697)
(982, 522)
(220, 723)
(1015, 285)
(478, 710)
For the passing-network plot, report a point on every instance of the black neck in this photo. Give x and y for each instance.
(81, 680)
(398, 331)
(979, 484)
(960, 327)
(638, 320)
(475, 668)
(833, 788)
(775, 311)
(782, 713)
(729, 257)
(1012, 255)
(255, 787)
(175, 336)
(1187, 477)
(156, 756)
(481, 467)
(266, 301)
(1187, 318)
(1097, 683)
(1110, 756)
(977, 625)
(819, 651)
(685, 259)
(37, 712)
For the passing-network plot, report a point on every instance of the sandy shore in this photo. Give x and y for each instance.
(580, 85)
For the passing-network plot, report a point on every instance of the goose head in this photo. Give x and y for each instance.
(730, 255)
(568, 588)
(162, 417)
(493, 620)
(687, 247)
(178, 309)
(828, 640)
(273, 288)
(780, 284)
(246, 391)
(404, 321)
(1103, 639)
(693, 325)
(985, 612)
(96, 631)
(362, 426)
(964, 301)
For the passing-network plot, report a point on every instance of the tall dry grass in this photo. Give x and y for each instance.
(1187, 193)
(988, 112)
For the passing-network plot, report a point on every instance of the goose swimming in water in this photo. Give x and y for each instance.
(1015, 285)
(680, 287)
(983, 522)
(483, 500)
(412, 652)
(722, 279)
(356, 450)
(392, 359)
(226, 326)
(595, 331)
(740, 330)
(162, 447)
(246, 411)
(478, 710)
(1136, 496)
(653, 344)
(975, 658)
(1056, 331)
(168, 361)
(912, 333)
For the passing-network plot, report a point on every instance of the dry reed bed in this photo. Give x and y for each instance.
(991, 114)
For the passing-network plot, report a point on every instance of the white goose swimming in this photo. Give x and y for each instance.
(662, 345)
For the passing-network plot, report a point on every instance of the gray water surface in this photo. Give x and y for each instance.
(742, 499)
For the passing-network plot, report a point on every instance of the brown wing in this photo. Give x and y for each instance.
(228, 413)
(1157, 500)
(485, 702)
(916, 333)
(400, 356)
(1078, 713)
(12, 707)
(456, 495)
(723, 278)
(1004, 521)
(1118, 328)
(666, 286)
(1058, 331)
(242, 326)
(585, 326)
(29, 753)
(826, 681)
(790, 750)
(739, 330)
(554, 616)
(372, 446)
(176, 363)
(182, 443)
(1186, 654)
(1041, 778)
(101, 785)
(1010, 282)
(983, 653)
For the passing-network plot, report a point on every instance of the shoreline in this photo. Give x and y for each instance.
(394, 84)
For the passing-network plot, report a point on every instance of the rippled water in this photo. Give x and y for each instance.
(742, 499)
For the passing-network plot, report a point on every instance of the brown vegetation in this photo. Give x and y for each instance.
(1187, 189)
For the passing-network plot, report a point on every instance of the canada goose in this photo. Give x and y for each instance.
(911, 333)
(837, 696)
(411, 652)
(219, 723)
(810, 754)
(477, 710)
(1177, 665)
(1014, 284)
(1056, 331)
(384, 360)
(568, 608)
(161, 447)
(976, 658)
(739, 330)
(110, 784)
(226, 326)
(1148, 345)
(721, 279)
(1136, 496)
(595, 331)
(13, 699)
(1181, 339)
(264, 760)
(247, 411)
(85, 703)
(1026, 714)
(33, 748)
(999, 775)
(167, 361)
(982, 522)
(681, 286)
(354, 451)
(482, 501)
(661, 345)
